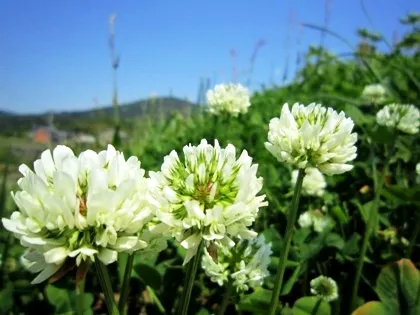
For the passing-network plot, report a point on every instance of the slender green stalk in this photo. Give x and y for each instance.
(226, 297)
(189, 281)
(126, 284)
(373, 213)
(115, 64)
(105, 282)
(80, 297)
(316, 308)
(287, 242)
(155, 299)
(413, 238)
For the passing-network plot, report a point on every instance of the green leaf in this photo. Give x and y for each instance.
(339, 213)
(306, 305)
(288, 286)
(203, 311)
(286, 311)
(149, 275)
(257, 302)
(372, 308)
(364, 210)
(403, 150)
(403, 194)
(6, 298)
(64, 300)
(273, 236)
(334, 240)
(398, 287)
(351, 247)
(410, 284)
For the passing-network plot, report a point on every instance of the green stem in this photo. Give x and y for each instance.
(126, 284)
(226, 297)
(316, 308)
(414, 238)
(189, 281)
(80, 297)
(287, 242)
(373, 214)
(105, 282)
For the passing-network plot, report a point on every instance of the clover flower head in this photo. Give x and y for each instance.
(403, 117)
(325, 288)
(418, 169)
(313, 136)
(315, 219)
(313, 183)
(79, 208)
(374, 93)
(305, 220)
(245, 264)
(209, 194)
(229, 98)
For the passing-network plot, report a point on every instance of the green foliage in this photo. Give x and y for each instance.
(310, 305)
(398, 287)
(64, 301)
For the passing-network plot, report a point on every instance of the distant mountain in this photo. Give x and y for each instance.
(5, 113)
(137, 108)
(12, 124)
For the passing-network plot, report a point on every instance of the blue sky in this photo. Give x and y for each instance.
(54, 54)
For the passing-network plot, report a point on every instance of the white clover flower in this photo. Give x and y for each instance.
(400, 116)
(315, 219)
(86, 207)
(418, 169)
(245, 264)
(208, 195)
(320, 221)
(325, 288)
(374, 93)
(305, 219)
(230, 98)
(313, 136)
(313, 183)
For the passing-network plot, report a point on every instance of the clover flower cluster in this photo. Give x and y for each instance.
(403, 117)
(374, 93)
(325, 288)
(76, 209)
(313, 136)
(313, 183)
(314, 219)
(228, 98)
(245, 264)
(209, 195)
(93, 205)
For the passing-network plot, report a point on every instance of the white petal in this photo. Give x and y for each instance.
(49, 270)
(56, 255)
(107, 256)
